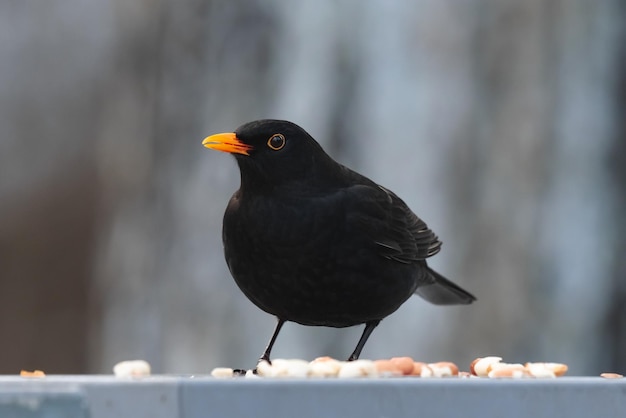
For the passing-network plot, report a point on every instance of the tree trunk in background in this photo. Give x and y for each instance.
(46, 240)
(49, 99)
(492, 120)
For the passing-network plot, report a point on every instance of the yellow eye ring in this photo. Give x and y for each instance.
(276, 142)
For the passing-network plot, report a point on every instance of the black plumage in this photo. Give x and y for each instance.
(310, 241)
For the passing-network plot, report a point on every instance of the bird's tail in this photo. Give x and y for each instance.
(442, 291)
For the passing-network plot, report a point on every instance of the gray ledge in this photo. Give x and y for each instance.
(195, 397)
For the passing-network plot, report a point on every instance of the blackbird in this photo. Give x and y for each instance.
(310, 241)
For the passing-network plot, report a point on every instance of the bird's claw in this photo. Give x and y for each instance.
(239, 372)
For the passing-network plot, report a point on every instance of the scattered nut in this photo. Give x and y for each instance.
(222, 372)
(507, 370)
(493, 367)
(498, 366)
(388, 368)
(283, 368)
(132, 368)
(265, 369)
(539, 370)
(511, 372)
(421, 369)
(292, 368)
(444, 369)
(403, 364)
(324, 367)
(546, 369)
(34, 373)
(611, 375)
(559, 369)
(358, 368)
(479, 366)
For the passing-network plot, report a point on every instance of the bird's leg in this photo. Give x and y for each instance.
(268, 349)
(369, 327)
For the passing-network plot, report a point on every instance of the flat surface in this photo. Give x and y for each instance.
(30, 401)
(201, 396)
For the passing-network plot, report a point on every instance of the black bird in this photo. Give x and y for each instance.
(311, 241)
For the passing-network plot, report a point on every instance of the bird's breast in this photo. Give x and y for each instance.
(296, 260)
(276, 232)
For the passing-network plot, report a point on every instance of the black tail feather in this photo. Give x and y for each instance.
(442, 291)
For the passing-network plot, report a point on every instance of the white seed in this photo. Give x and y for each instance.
(358, 368)
(265, 369)
(324, 367)
(513, 372)
(559, 369)
(480, 365)
(539, 370)
(498, 366)
(290, 368)
(283, 368)
(132, 368)
(444, 369)
(222, 372)
(422, 370)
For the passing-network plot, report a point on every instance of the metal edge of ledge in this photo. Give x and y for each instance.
(195, 397)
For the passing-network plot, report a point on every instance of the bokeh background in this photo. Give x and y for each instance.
(501, 123)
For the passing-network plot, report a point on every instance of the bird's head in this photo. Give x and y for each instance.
(273, 153)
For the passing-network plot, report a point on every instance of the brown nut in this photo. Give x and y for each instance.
(611, 375)
(478, 367)
(421, 369)
(404, 364)
(559, 369)
(323, 359)
(34, 373)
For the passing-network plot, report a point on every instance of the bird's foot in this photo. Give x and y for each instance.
(265, 357)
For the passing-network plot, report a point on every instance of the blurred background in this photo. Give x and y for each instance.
(501, 123)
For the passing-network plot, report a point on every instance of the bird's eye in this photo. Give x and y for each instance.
(276, 142)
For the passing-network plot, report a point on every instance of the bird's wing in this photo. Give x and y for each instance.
(387, 221)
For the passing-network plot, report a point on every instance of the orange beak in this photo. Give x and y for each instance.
(226, 142)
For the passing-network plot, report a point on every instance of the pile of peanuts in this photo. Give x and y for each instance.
(327, 367)
(494, 368)
(490, 367)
